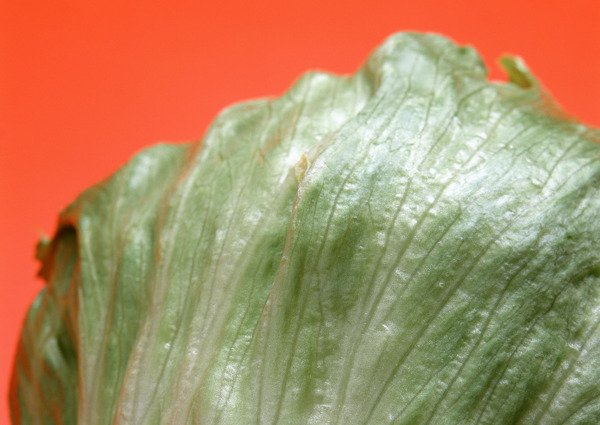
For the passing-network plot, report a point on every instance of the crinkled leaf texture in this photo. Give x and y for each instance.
(408, 245)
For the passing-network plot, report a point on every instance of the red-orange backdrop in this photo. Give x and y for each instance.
(86, 83)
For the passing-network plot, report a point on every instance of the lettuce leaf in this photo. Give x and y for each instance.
(412, 244)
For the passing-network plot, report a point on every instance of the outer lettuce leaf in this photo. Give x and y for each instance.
(409, 245)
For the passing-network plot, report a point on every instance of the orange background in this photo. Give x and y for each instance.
(85, 84)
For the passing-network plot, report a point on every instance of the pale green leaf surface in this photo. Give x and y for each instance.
(409, 245)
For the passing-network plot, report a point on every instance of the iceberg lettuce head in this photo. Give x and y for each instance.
(412, 244)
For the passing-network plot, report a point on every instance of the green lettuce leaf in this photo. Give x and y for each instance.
(412, 244)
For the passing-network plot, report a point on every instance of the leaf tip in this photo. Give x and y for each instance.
(517, 72)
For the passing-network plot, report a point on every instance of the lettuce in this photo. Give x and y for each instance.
(412, 244)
